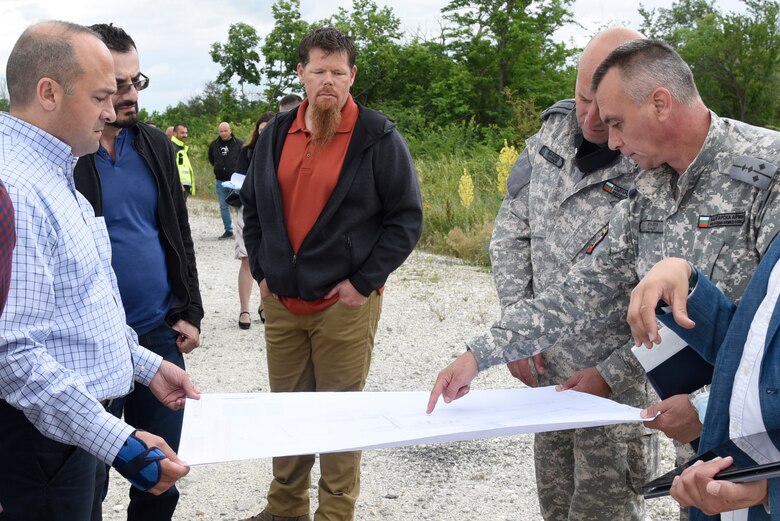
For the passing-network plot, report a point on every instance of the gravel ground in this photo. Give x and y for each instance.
(432, 304)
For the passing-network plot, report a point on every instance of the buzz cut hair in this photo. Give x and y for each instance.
(645, 65)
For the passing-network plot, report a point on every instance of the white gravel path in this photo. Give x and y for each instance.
(431, 305)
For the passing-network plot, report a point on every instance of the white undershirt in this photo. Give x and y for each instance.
(745, 407)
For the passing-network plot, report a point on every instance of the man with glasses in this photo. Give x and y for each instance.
(133, 183)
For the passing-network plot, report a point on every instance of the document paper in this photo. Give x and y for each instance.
(229, 427)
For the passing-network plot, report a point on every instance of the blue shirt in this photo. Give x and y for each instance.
(64, 345)
(130, 210)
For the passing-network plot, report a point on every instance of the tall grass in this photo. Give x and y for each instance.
(450, 227)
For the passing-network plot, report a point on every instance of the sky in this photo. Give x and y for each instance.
(173, 38)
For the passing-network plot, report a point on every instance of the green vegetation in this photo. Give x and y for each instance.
(460, 95)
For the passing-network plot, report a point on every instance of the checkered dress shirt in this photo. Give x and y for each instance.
(64, 345)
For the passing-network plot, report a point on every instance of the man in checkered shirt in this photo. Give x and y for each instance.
(65, 349)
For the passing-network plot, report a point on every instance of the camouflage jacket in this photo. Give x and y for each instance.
(721, 214)
(552, 217)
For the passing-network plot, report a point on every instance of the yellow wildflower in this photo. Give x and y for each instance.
(506, 158)
(466, 189)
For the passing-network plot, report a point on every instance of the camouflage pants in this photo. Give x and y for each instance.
(594, 474)
(682, 453)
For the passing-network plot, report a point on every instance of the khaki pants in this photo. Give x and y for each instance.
(326, 351)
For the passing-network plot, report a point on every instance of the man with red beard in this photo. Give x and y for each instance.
(331, 208)
(133, 183)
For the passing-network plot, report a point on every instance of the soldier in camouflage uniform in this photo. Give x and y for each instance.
(708, 193)
(559, 197)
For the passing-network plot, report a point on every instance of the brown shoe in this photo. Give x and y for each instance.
(265, 515)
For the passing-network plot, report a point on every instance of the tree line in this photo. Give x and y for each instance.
(490, 67)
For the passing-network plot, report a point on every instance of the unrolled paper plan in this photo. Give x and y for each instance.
(228, 427)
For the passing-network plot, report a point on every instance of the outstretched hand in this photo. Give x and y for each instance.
(172, 386)
(453, 381)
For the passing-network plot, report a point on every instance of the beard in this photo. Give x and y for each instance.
(326, 118)
(128, 120)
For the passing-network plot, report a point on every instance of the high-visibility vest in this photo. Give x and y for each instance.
(186, 174)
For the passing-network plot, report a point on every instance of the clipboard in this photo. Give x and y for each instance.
(737, 473)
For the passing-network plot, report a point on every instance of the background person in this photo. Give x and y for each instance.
(245, 280)
(186, 173)
(223, 156)
(289, 102)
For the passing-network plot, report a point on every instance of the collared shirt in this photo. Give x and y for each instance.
(130, 198)
(308, 172)
(745, 408)
(64, 345)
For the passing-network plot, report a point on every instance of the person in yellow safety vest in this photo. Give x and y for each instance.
(186, 174)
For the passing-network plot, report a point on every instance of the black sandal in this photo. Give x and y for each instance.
(244, 325)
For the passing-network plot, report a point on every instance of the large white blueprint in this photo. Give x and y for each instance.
(227, 427)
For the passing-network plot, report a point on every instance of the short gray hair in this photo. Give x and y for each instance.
(645, 65)
(44, 50)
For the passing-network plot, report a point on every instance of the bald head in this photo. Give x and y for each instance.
(44, 50)
(225, 134)
(594, 53)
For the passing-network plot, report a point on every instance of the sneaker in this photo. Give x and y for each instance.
(226, 235)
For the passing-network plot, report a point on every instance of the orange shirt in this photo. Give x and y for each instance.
(307, 175)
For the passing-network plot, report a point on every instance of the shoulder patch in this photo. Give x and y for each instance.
(753, 171)
(520, 175)
(561, 107)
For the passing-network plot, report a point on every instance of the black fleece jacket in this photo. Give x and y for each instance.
(158, 152)
(369, 226)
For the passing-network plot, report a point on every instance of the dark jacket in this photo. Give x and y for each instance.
(368, 227)
(720, 335)
(159, 154)
(224, 163)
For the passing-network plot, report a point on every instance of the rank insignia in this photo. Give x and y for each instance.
(753, 171)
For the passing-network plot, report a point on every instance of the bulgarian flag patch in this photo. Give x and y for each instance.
(721, 219)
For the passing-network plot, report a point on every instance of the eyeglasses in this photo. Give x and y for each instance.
(140, 84)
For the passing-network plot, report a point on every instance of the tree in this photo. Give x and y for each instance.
(280, 49)
(509, 44)
(735, 58)
(376, 33)
(672, 24)
(238, 57)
